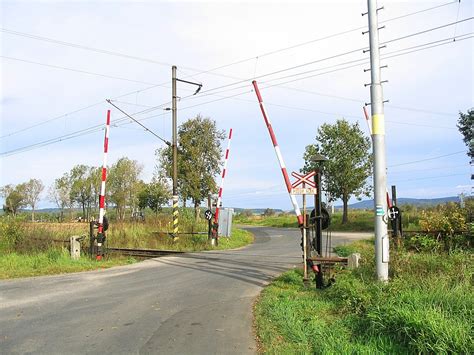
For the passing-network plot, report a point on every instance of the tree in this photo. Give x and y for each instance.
(33, 190)
(60, 193)
(154, 195)
(81, 191)
(14, 198)
(268, 212)
(466, 127)
(199, 159)
(349, 161)
(95, 182)
(124, 184)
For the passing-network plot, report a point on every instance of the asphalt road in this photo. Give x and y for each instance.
(197, 303)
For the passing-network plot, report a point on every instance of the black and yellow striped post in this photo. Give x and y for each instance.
(175, 218)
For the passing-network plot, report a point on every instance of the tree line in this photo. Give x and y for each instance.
(345, 173)
(199, 161)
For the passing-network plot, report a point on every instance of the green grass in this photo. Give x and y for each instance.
(141, 238)
(427, 307)
(359, 221)
(32, 249)
(279, 221)
(13, 265)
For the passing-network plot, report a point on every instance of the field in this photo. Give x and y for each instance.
(363, 220)
(359, 221)
(427, 307)
(31, 249)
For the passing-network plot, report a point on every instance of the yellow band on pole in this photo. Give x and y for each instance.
(378, 124)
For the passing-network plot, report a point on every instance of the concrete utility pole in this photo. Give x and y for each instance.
(378, 139)
(174, 110)
(175, 153)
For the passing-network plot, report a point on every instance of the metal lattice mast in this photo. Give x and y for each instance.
(279, 156)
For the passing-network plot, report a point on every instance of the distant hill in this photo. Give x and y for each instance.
(255, 210)
(369, 204)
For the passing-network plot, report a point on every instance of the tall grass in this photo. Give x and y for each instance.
(28, 249)
(427, 307)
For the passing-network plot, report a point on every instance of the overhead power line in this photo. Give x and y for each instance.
(51, 120)
(58, 139)
(359, 63)
(444, 167)
(427, 159)
(81, 109)
(434, 177)
(429, 30)
(200, 72)
(79, 71)
(209, 71)
(138, 122)
(329, 58)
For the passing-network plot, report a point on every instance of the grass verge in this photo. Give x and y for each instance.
(428, 307)
(13, 265)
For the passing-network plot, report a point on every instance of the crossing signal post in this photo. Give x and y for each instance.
(299, 188)
(395, 217)
(318, 160)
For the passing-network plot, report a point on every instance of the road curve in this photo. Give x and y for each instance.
(198, 303)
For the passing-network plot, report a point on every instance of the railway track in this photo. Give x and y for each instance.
(144, 253)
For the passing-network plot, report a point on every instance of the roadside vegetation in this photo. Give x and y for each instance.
(54, 261)
(36, 242)
(31, 249)
(442, 217)
(358, 220)
(427, 306)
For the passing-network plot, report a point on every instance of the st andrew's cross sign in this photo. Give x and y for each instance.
(303, 181)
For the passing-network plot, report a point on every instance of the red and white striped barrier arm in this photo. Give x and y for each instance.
(389, 203)
(224, 170)
(278, 154)
(104, 175)
(367, 119)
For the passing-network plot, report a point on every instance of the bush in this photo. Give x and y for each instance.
(422, 243)
(11, 234)
(446, 218)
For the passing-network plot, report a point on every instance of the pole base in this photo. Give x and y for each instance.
(306, 282)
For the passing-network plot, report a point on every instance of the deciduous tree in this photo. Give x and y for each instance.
(349, 161)
(123, 184)
(154, 195)
(199, 159)
(81, 190)
(60, 193)
(33, 190)
(466, 127)
(14, 196)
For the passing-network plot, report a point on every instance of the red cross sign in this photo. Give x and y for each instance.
(303, 179)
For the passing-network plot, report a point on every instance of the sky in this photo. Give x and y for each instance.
(60, 61)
